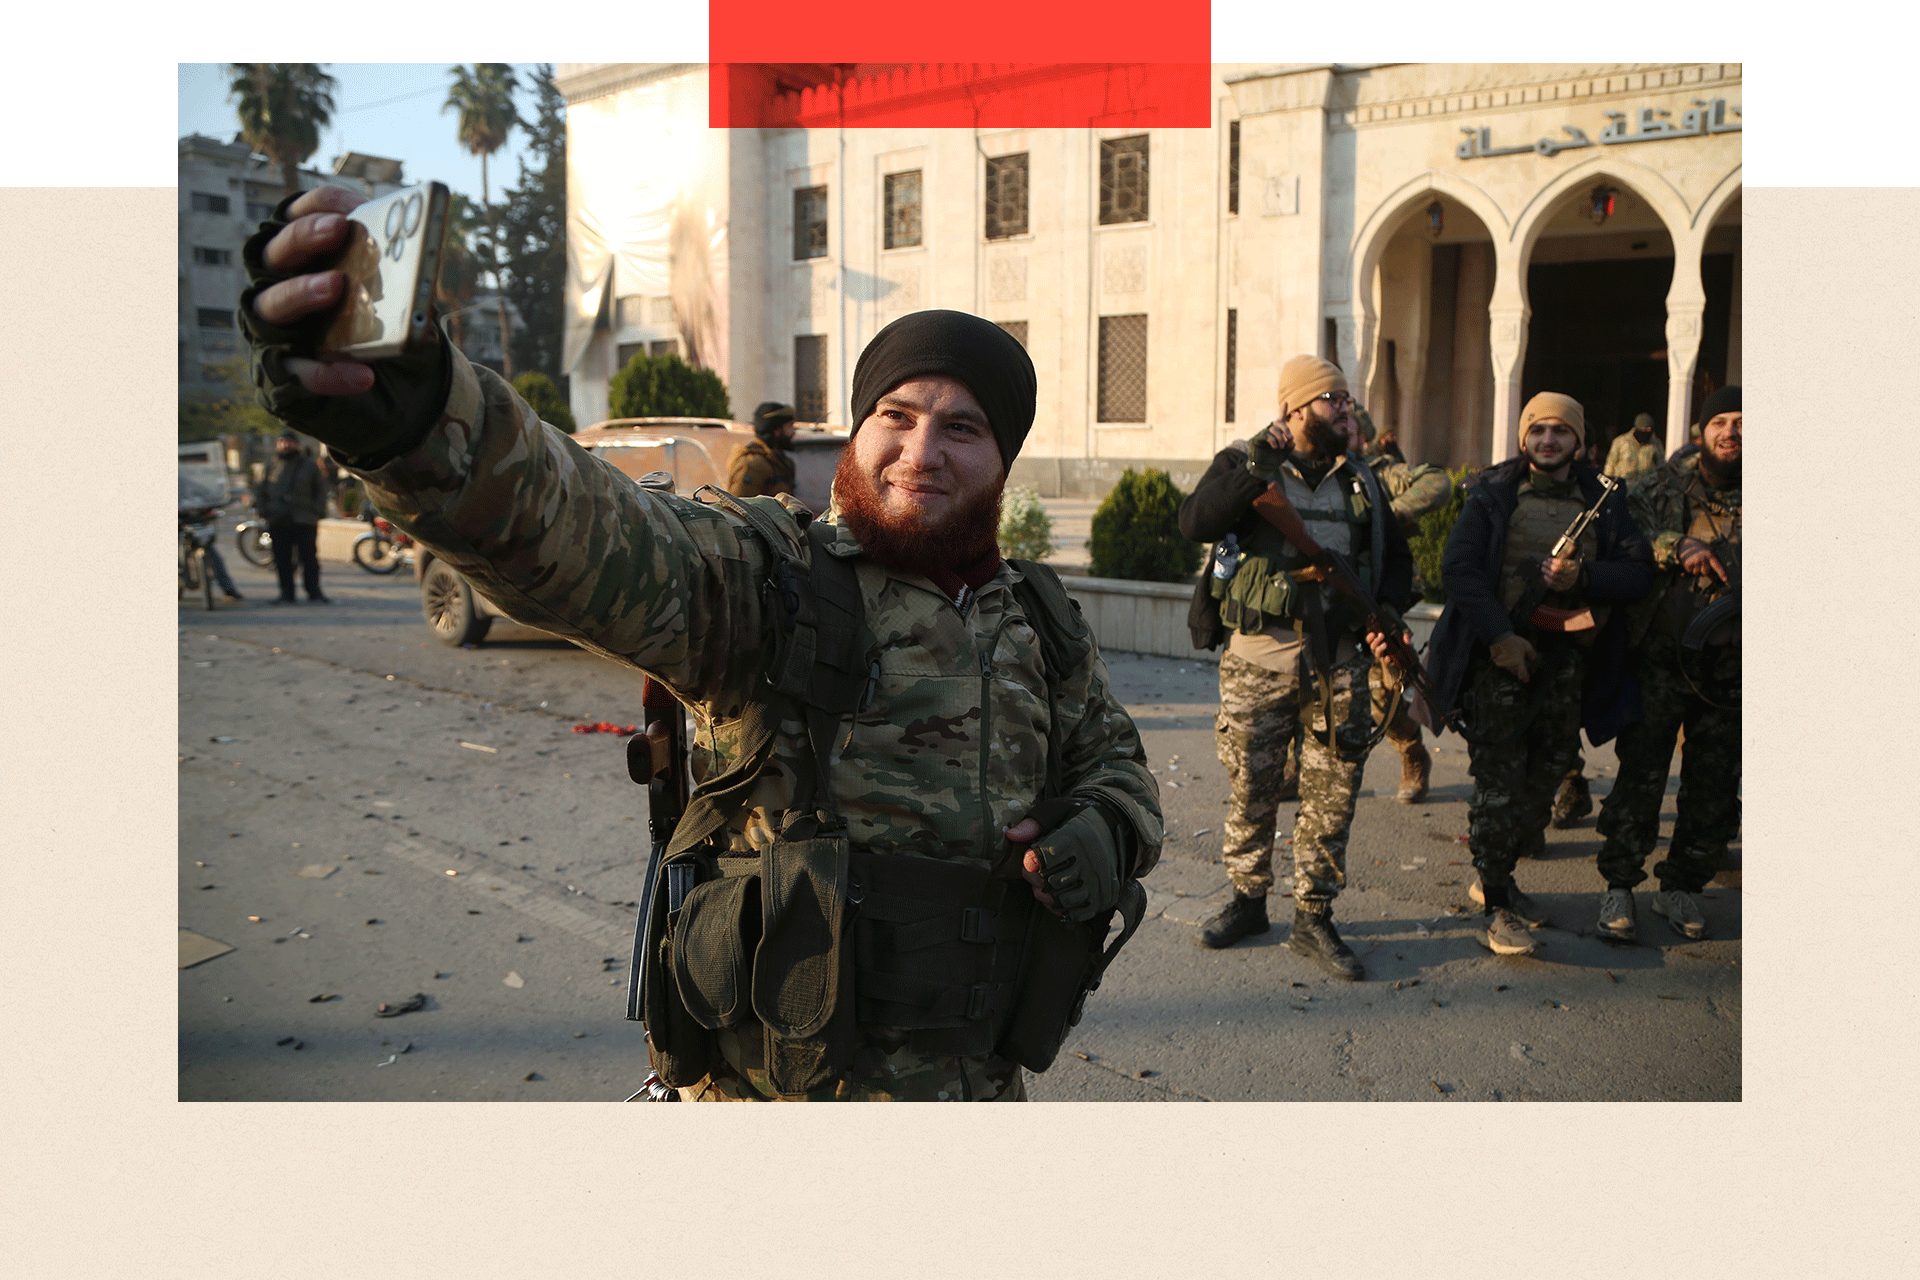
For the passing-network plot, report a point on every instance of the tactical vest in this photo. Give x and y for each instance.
(816, 938)
(1710, 519)
(1341, 516)
(1539, 521)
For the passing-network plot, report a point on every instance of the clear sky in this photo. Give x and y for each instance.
(381, 109)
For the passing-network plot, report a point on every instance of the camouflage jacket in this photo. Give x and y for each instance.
(1664, 501)
(757, 469)
(1627, 459)
(1412, 488)
(949, 751)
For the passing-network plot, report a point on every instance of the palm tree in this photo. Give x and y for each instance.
(484, 99)
(282, 108)
(459, 272)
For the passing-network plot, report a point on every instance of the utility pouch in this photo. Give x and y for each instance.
(1063, 966)
(681, 1048)
(718, 929)
(802, 967)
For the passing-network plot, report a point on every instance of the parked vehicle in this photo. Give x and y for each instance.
(383, 548)
(677, 454)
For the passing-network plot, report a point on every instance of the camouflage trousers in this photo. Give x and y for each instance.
(1708, 709)
(883, 1070)
(1531, 736)
(1260, 712)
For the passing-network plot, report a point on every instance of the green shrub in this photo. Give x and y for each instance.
(543, 397)
(1026, 530)
(665, 386)
(1430, 543)
(1136, 532)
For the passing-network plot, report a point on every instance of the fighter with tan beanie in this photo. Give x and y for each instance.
(1296, 662)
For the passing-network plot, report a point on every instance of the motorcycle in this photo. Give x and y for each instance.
(382, 549)
(198, 528)
(256, 544)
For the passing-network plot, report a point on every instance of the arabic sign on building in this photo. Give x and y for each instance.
(1705, 118)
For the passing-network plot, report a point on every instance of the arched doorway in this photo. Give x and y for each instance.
(1431, 378)
(1598, 277)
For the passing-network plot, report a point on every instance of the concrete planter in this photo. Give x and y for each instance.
(1151, 617)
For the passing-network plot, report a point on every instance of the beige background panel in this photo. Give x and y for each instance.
(1819, 1154)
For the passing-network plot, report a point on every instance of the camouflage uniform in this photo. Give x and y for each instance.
(1698, 692)
(1415, 489)
(758, 469)
(950, 750)
(1628, 458)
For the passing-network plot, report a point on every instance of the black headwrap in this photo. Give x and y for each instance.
(770, 417)
(979, 353)
(1725, 400)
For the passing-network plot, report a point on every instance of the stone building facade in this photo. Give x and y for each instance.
(1454, 236)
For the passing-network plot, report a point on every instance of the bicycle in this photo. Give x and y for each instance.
(383, 549)
(198, 527)
(255, 543)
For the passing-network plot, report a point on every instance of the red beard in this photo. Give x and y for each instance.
(962, 539)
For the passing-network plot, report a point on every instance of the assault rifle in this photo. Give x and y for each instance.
(1531, 610)
(1328, 566)
(657, 759)
(1724, 609)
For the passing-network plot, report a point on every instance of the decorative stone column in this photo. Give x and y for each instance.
(1686, 306)
(1507, 316)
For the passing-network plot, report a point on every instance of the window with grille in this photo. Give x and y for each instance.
(903, 210)
(630, 312)
(810, 377)
(215, 318)
(1006, 196)
(1018, 328)
(1123, 180)
(810, 222)
(204, 203)
(259, 210)
(1123, 369)
(212, 257)
(1233, 358)
(1233, 175)
(625, 353)
(664, 347)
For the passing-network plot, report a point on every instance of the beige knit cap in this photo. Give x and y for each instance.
(1551, 404)
(1304, 377)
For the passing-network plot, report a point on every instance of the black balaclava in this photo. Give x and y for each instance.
(979, 353)
(770, 417)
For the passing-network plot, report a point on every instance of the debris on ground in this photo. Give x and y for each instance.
(514, 980)
(533, 1075)
(474, 746)
(605, 727)
(196, 948)
(416, 1001)
(316, 871)
(322, 999)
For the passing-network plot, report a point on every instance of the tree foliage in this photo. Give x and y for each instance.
(1026, 530)
(1136, 533)
(282, 108)
(483, 97)
(1429, 544)
(233, 410)
(533, 234)
(544, 398)
(665, 386)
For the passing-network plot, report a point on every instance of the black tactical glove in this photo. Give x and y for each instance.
(370, 428)
(1085, 854)
(1263, 459)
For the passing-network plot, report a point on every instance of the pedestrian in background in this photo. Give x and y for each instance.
(1525, 690)
(292, 497)
(1634, 453)
(1690, 512)
(762, 467)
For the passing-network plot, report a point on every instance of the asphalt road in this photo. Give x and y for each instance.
(408, 820)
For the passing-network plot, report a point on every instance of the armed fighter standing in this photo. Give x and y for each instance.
(913, 756)
(1300, 657)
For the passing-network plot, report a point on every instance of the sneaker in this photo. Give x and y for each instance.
(1572, 802)
(235, 595)
(1507, 936)
(283, 600)
(1678, 906)
(1416, 768)
(319, 599)
(1616, 923)
(1530, 912)
(1314, 937)
(1240, 918)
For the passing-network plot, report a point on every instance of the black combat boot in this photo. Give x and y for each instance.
(1241, 918)
(1313, 936)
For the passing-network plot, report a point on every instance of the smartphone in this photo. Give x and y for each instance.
(392, 261)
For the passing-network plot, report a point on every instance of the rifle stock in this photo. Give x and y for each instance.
(1327, 566)
(657, 759)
